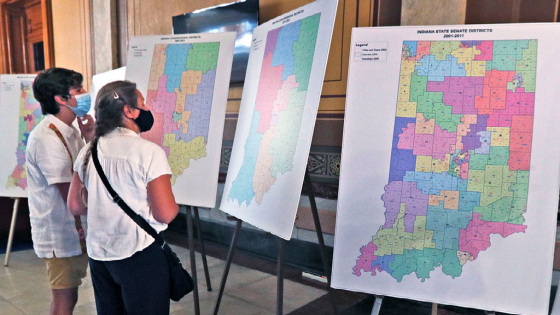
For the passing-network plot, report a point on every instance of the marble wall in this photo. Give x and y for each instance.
(104, 35)
(72, 36)
(433, 12)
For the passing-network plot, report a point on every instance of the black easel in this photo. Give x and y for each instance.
(192, 255)
(281, 252)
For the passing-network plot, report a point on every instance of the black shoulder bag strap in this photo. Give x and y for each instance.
(116, 198)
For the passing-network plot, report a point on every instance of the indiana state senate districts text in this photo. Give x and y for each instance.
(455, 32)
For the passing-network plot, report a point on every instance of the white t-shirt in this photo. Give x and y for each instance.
(52, 225)
(130, 163)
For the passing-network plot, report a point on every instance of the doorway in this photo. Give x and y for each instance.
(26, 41)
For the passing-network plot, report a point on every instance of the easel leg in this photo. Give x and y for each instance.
(556, 305)
(193, 261)
(319, 230)
(12, 230)
(228, 264)
(434, 308)
(280, 276)
(202, 250)
(377, 304)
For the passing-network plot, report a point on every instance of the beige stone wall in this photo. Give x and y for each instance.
(433, 12)
(71, 32)
(104, 35)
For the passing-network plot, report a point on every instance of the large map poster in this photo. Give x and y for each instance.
(278, 110)
(19, 114)
(185, 81)
(460, 192)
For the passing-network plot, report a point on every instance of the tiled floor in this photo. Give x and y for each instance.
(249, 291)
(24, 289)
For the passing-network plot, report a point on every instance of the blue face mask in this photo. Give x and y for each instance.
(84, 105)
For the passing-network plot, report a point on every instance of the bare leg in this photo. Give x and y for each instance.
(64, 301)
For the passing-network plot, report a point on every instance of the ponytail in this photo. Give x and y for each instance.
(109, 107)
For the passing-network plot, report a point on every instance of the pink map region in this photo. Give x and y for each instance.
(458, 92)
(365, 260)
(436, 145)
(476, 237)
(162, 104)
(157, 101)
(486, 50)
(267, 92)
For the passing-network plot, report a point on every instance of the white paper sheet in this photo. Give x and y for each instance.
(425, 212)
(185, 81)
(19, 114)
(277, 116)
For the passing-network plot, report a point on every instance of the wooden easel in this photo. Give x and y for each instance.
(281, 252)
(193, 257)
(12, 231)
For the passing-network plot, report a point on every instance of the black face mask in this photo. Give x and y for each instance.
(145, 120)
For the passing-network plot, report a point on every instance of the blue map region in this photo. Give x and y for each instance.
(433, 183)
(38, 116)
(437, 70)
(402, 160)
(283, 54)
(200, 106)
(175, 65)
(470, 43)
(242, 187)
(384, 262)
(411, 47)
(457, 69)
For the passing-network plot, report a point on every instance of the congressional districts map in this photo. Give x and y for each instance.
(29, 116)
(278, 111)
(460, 156)
(180, 92)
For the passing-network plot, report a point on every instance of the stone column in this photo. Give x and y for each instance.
(104, 35)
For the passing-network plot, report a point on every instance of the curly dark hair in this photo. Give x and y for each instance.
(52, 82)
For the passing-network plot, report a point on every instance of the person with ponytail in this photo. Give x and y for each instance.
(128, 269)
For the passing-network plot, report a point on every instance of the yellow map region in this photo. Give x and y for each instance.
(395, 240)
(180, 153)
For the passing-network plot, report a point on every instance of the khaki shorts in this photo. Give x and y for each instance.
(66, 272)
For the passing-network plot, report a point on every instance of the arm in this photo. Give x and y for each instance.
(87, 129)
(76, 201)
(161, 199)
(63, 190)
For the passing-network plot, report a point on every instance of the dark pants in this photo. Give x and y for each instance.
(135, 285)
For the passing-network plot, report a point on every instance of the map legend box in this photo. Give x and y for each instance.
(374, 51)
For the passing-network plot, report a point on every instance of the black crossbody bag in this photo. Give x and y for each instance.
(181, 282)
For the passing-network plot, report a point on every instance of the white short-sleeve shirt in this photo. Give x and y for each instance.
(130, 163)
(48, 163)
